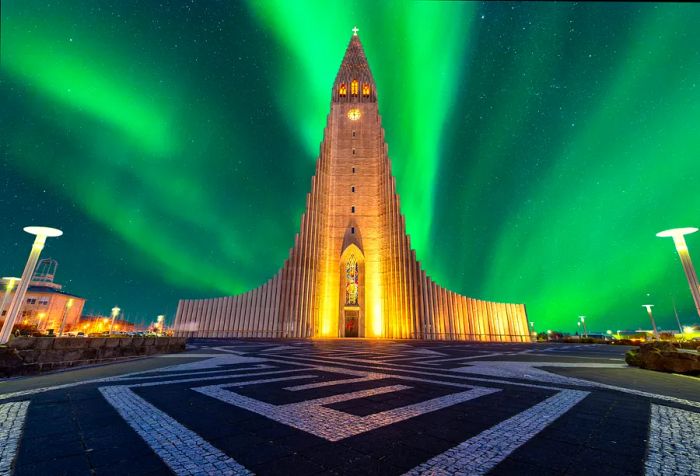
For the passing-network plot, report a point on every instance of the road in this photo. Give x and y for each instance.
(355, 407)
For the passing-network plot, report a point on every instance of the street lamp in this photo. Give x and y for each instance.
(115, 313)
(678, 235)
(69, 304)
(549, 333)
(651, 316)
(41, 233)
(585, 329)
(9, 286)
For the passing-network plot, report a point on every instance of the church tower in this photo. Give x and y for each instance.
(351, 271)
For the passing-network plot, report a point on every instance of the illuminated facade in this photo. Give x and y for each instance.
(45, 303)
(352, 272)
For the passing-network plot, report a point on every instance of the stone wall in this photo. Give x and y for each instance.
(27, 355)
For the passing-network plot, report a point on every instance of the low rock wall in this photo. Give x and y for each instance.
(666, 357)
(27, 355)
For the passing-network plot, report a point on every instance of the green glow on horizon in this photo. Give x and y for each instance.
(537, 148)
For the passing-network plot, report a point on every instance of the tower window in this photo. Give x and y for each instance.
(352, 271)
(365, 90)
(353, 151)
(352, 230)
(353, 210)
(353, 189)
(342, 90)
(354, 87)
(353, 133)
(353, 170)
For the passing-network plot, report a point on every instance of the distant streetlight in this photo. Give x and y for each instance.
(41, 234)
(585, 329)
(549, 333)
(678, 235)
(9, 286)
(69, 304)
(115, 313)
(651, 316)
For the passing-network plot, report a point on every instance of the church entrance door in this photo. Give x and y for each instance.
(351, 323)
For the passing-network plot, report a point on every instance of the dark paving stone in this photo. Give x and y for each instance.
(604, 434)
(69, 466)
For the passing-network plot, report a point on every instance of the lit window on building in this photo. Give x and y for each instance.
(352, 272)
(354, 87)
(365, 90)
(342, 90)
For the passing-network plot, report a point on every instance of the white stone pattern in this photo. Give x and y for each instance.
(314, 417)
(12, 416)
(480, 454)
(184, 451)
(674, 442)
(529, 370)
(534, 384)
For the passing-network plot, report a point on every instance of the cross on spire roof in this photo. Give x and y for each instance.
(355, 30)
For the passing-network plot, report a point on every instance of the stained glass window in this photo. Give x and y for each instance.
(342, 90)
(354, 87)
(351, 279)
(365, 90)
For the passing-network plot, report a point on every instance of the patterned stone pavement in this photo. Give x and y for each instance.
(355, 407)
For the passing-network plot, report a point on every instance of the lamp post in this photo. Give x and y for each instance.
(678, 235)
(69, 304)
(675, 312)
(8, 290)
(585, 329)
(651, 316)
(532, 329)
(41, 233)
(115, 313)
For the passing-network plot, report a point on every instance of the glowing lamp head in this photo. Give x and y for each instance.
(115, 311)
(10, 282)
(674, 232)
(43, 231)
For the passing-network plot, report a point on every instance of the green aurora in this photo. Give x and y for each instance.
(537, 147)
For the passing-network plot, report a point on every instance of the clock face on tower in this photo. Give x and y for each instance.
(354, 114)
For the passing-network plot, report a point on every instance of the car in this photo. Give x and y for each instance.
(80, 334)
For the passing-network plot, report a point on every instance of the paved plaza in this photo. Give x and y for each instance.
(355, 407)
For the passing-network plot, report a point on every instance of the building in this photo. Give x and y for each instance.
(45, 302)
(352, 272)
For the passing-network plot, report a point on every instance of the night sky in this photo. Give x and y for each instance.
(537, 148)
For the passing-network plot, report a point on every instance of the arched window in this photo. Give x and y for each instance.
(342, 90)
(352, 273)
(354, 87)
(365, 90)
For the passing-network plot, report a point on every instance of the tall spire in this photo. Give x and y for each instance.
(354, 70)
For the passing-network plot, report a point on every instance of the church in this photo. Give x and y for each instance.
(351, 271)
